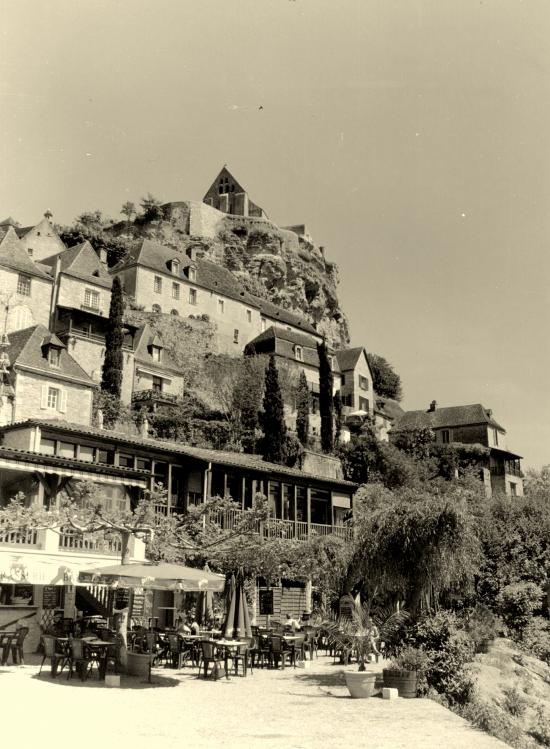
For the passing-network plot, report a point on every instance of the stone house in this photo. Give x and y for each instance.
(356, 389)
(39, 241)
(25, 286)
(271, 315)
(40, 377)
(295, 352)
(472, 424)
(157, 379)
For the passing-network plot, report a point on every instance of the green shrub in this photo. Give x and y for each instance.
(541, 730)
(535, 638)
(517, 603)
(410, 659)
(514, 702)
(492, 720)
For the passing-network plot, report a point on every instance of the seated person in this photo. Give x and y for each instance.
(291, 623)
(182, 627)
(195, 627)
(56, 628)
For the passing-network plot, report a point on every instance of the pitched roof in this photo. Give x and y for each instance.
(81, 261)
(221, 457)
(25, 350)
(348, 358)
(450, 416)
(143, 340)
(388, 407)
(269, 309)
(267, 343)
(14, 256)
(9, 221)
(209, 275)
(273, 333)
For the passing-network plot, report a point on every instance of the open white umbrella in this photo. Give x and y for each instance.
(155, 576)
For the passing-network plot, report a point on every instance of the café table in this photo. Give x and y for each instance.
(98, 649)
(227, 646)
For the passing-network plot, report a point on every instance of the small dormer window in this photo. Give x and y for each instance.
(23, 285)
(155, 353)
(175, 267)
(30, 251)
(54, 356)
(298, 353)
(192, 273)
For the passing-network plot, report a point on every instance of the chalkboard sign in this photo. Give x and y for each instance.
(50, 597)
(346, 606)
(122, 598)
(138, 604)
(266, 602)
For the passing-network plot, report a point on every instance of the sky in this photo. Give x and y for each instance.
(412, 137)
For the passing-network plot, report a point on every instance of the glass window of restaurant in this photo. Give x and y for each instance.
(320, 507)
(194, 488)
(161, 473)
(274, 499)
(177, 495)
(234, 487)
(301, 503)
(288, 502)
(248, 492)
(16, 595)
(218, 483)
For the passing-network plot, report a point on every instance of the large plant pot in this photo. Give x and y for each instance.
(361, 683)
(139, 664)
(404, 681)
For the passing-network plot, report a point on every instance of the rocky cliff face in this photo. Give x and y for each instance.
(273, 263)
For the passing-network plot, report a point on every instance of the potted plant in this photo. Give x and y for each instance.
(356, 634)
(404, 670)
(482, 628)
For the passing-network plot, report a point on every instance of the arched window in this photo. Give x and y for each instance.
(156, 308)
(174, 312)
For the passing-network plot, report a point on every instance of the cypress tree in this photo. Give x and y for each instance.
(273, 417)
(302, 409)
(111, 378)
(337, 419)
(325, 398)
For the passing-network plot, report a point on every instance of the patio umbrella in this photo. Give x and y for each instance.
(156, 576)
(204, 611)
(237, 621)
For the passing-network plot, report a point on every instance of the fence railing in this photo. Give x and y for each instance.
(275, 528)
(94, 543)
(20, 537)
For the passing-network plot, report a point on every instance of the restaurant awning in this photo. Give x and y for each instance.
(161, 576)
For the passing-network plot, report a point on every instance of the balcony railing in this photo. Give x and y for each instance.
(93, 543)
(20, 538)
(275, 528)
(153, 396)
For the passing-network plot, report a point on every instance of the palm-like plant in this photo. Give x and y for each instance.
(355, 633)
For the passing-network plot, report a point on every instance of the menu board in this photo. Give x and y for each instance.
(138, 604)
(50, 597)
(266, 602)
(122, 598)
(346, 606)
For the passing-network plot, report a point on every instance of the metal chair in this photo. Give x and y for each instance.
(56, 652)
(5, 645)
(82, 660)
(242, 655)
(17, 645)
(209, 656)
(279, 651)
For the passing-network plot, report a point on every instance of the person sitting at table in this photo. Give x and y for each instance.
(195, 627)
(56, 627)
(182, 627)
(291, 623)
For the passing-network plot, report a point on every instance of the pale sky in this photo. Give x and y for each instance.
(411, 136)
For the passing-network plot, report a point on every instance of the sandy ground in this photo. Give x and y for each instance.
(294, 708)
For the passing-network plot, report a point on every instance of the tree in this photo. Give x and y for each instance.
(111, 378)
(325, 398)
(128, 209)
(151, 207)
(272, 419)
(385, 380)
(337, 418)
(303, 398)
(91, 220)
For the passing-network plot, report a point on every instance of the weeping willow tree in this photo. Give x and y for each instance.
(413, 544)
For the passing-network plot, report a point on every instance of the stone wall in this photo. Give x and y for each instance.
(28, 399)
(25, 311)
(72, 294)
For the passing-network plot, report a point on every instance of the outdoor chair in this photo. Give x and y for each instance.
(242, 655)
(56, 652)
(81, 660)
(298, 648)
(310, 643)
(17, 645)
(176, 652)
(260, 650)
(210, 656)
(5, 645)
(280, 652)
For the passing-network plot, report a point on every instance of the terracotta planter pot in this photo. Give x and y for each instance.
(361, 683)
(404, 681)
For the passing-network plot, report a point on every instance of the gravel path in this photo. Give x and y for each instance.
(290, 709)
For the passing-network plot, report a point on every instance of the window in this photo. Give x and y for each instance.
(513, 489)
(143, 464)
(156, 308)
(363, 383)
(155, 353)
(66, 449)
(221, 306)
(126, 461)
(175, 291)
(105, 456)
(91, 299)
(23, 285)
(343, 379)
(264, 324)
(157, 384)
(30, 251)
(363, 404)
(53, 398)
(298, 353)
(157, 284)
(235, 336)
(54, 356)
(47, 447)
(495, 436)
(85, 452)
(248, 315)
(174, 312)
(445, 436)
(192, 296)
(192, 274)
(175, 267)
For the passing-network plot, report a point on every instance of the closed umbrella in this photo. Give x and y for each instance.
(237, 622)
(205, 610)
(229, 622)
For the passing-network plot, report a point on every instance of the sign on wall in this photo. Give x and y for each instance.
(266, 602)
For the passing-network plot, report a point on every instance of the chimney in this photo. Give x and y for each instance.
(489, 412)
(433, 406)
(322, 251)
(48, 214)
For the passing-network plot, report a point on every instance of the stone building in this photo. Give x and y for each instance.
(473, 424)
(228, 196)
(157, 379)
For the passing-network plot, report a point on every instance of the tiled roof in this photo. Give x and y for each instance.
(348, 358)
(281, 342)
(282, 315)
(25, 350)
(273, 333)
(220, 457)
(81, 261)
(210, 276)
(143, 339)
(14, 256)
(450, 416)
(388, 407)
